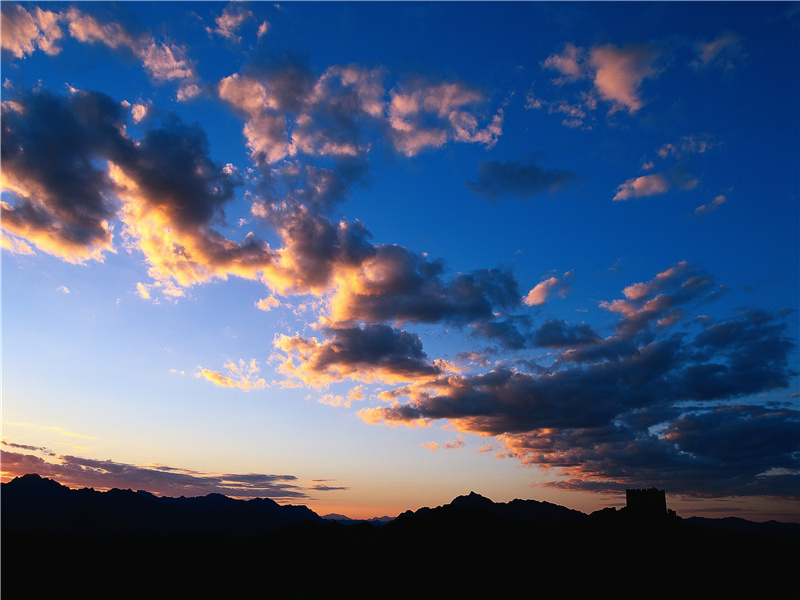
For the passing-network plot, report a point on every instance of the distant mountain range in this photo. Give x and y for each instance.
(64, 543)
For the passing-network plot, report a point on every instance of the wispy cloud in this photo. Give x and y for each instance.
(242, 375)
(230, 20)
(25, 32)
(711, 206)
(723, 52)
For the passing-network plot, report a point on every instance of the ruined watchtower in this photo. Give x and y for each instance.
(646, 503)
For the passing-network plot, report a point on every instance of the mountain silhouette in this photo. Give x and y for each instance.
(34, 504)
(63, 543)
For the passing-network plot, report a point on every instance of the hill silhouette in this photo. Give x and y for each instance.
(62, 543)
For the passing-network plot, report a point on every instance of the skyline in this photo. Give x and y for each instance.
(369, 257)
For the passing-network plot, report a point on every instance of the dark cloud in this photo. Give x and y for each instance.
(398, 285)
(173, 170)
(560, 334)
(520, 178)
(363, 353)
(49, 148)
(75, 471)
(72, 171)
(649, 405)
(289, 79)
(511, 333)
(27, 447)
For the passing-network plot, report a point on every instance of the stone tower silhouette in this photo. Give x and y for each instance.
(646, 502)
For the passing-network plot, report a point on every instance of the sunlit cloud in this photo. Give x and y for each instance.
(620, 72)
(230, 20)
(15, 245)
(242, 375)
(569, 63)
(645, 185)
(58, 208)
(268, 303)
(25, 32)
(616, 73)
(552, 285)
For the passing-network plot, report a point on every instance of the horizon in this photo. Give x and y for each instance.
(366, 256)
(375, 517)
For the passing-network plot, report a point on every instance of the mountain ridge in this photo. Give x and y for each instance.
(52, 496)
(214, 547)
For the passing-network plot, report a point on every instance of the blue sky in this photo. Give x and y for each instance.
(371, 256)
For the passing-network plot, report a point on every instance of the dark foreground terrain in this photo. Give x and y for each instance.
(60, 543)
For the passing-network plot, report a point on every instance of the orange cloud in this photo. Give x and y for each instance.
(552, 285)
(24, 32)
(620, 72)
(646, 185)
(242, 375)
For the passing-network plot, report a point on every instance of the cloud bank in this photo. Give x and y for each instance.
(162, 480)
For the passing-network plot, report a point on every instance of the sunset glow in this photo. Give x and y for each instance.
(368, 257)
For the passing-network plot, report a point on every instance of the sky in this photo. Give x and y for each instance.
(368, 257)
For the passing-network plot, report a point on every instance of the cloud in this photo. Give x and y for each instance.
(517, 178)
(395, 284)
(636, 407)
(322, 485)
(424, 115)
(369, 353)
(230, 20)
(288, 111)
(329, 114)
(619, 73)
(645, 185)
(570, 63)
(164, 187)
(722, 52)
(661, 300)
(162, 60)
(316, 251)
(61, 198)
(616, 73)
(560, 334)
(78, 472)
(242, 375)
(688, 144)
(25, 32)
(552, 285)
(268, 303)
(511, 333)
(14, 245)
(715, 203)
